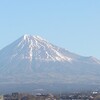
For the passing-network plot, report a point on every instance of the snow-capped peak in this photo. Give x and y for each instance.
(35, 47)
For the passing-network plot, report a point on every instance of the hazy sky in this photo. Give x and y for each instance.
(71, 24)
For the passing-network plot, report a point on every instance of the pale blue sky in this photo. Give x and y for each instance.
(71, 24)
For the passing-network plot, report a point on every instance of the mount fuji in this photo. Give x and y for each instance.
(33, 60)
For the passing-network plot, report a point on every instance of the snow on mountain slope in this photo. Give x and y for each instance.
(34, 47)
(32, 59)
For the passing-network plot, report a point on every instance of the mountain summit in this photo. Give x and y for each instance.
(32, 59)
